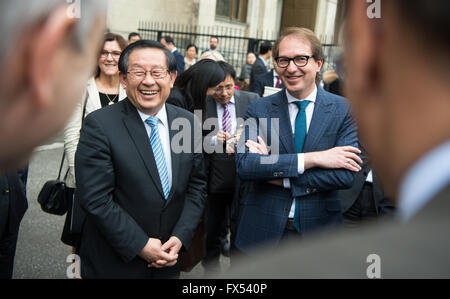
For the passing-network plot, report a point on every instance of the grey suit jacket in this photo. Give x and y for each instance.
(220, 167)
(419, 248)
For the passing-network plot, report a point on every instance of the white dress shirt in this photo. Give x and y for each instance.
(163, 130)
(275, 75)
(220, 110)
(293, 111)
(424, 180)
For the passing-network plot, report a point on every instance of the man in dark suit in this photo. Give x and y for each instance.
(295, 187)
(168, 42)
(404, 122)
(271, 79)
(143, 191)
(365, 200)
(13, 205)
(260, 66)
(225, 107)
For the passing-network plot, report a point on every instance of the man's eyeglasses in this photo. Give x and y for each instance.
(220, 89)
(299, 61)
(140, 74)
(114, 54)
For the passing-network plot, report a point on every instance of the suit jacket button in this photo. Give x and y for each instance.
(308, 190)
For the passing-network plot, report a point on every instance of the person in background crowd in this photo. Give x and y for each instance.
(404, 122)
(143, 199)
(39, 91)
(332, 82)
(103, 89)
(192, 87)
(133, 37)
(168, 42)
(244, 78)
(226, 105)
(270, 79)
(213, 45)
(261, 65)
(365, 200)
(191, 56)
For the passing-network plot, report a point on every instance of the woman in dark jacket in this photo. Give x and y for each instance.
(195, 84)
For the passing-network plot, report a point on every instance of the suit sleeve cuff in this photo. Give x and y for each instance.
(301, 163)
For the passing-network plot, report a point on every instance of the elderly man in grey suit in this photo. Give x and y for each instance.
(405, 124)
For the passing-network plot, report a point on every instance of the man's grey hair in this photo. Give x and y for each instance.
(17, 16)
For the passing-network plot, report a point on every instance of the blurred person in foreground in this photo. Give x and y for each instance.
(47, 53)
(401, 101)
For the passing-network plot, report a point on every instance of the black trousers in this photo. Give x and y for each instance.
(215, 216)
(363, 209)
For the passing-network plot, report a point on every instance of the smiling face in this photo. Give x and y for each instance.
(299, 81)
(147, 94)
(108, 63)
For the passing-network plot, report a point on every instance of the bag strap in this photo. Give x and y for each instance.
(64, 152)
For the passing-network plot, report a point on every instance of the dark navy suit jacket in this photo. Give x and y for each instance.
(264, 80)
(266, 207)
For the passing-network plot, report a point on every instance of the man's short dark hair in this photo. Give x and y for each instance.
(133, 34)
(143, 44)
(228, 69)
(265, 47)
(168, 39)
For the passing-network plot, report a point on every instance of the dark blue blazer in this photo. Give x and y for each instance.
(264, 80)
(180, 62)
(266, 207)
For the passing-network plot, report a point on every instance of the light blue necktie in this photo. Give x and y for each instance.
(299, 138)
(158, 153)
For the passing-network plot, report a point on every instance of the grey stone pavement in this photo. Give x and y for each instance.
(40, 253)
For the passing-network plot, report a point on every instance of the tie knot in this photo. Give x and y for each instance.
(152, 121)
(302, 104)
(225, 105)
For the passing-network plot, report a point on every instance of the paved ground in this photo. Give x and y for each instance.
(40, 253)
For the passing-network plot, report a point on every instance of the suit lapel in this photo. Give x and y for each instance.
(323, 110)
(171, 116)
(280, 111)
(136, 129)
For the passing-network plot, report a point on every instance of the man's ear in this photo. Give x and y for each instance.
(173, 77)
(363, 46)
(45, 44)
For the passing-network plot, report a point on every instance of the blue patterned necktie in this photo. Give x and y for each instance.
(299, 138)
(158, 153)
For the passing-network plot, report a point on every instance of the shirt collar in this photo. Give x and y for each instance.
(161, 115)
(174, 49)
(232, 101)
(424, 180)
(311, 97)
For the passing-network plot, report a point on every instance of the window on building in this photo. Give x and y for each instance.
(235, 10)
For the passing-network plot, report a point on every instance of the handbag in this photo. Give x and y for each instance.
(55, 196)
